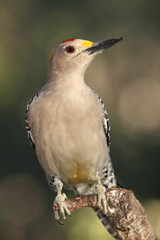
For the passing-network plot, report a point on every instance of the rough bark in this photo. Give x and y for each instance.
(124, 211)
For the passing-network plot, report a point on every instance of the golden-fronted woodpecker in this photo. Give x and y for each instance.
(68, 125)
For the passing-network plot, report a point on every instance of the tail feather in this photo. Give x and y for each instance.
(103, 218)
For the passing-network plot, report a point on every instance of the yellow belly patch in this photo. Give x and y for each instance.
(80, 175)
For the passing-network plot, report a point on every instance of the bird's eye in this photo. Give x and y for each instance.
(70, 49)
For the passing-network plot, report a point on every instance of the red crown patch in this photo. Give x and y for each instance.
(68, 40)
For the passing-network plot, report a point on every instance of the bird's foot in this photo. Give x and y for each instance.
(62, 207)
(60, 201)
(101, 191)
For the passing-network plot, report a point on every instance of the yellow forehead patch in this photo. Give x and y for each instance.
(87, 43)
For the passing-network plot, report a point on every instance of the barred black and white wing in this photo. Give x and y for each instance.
(108, 178)
(28, 128)
(105, 121)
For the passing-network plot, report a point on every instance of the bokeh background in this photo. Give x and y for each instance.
(126, 76)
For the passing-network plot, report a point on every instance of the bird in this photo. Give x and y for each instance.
(68, 125)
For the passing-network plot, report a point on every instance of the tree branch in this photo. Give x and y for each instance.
(124, 212)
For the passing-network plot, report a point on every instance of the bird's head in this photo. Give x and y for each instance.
(75, 55)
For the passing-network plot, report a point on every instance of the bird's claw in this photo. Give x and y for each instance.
(101, 191)
(62, 207)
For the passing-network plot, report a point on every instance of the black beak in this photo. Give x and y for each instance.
(101, 45)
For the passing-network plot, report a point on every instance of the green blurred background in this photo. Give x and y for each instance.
(126, 76)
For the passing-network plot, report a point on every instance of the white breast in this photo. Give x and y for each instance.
(69, 136)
